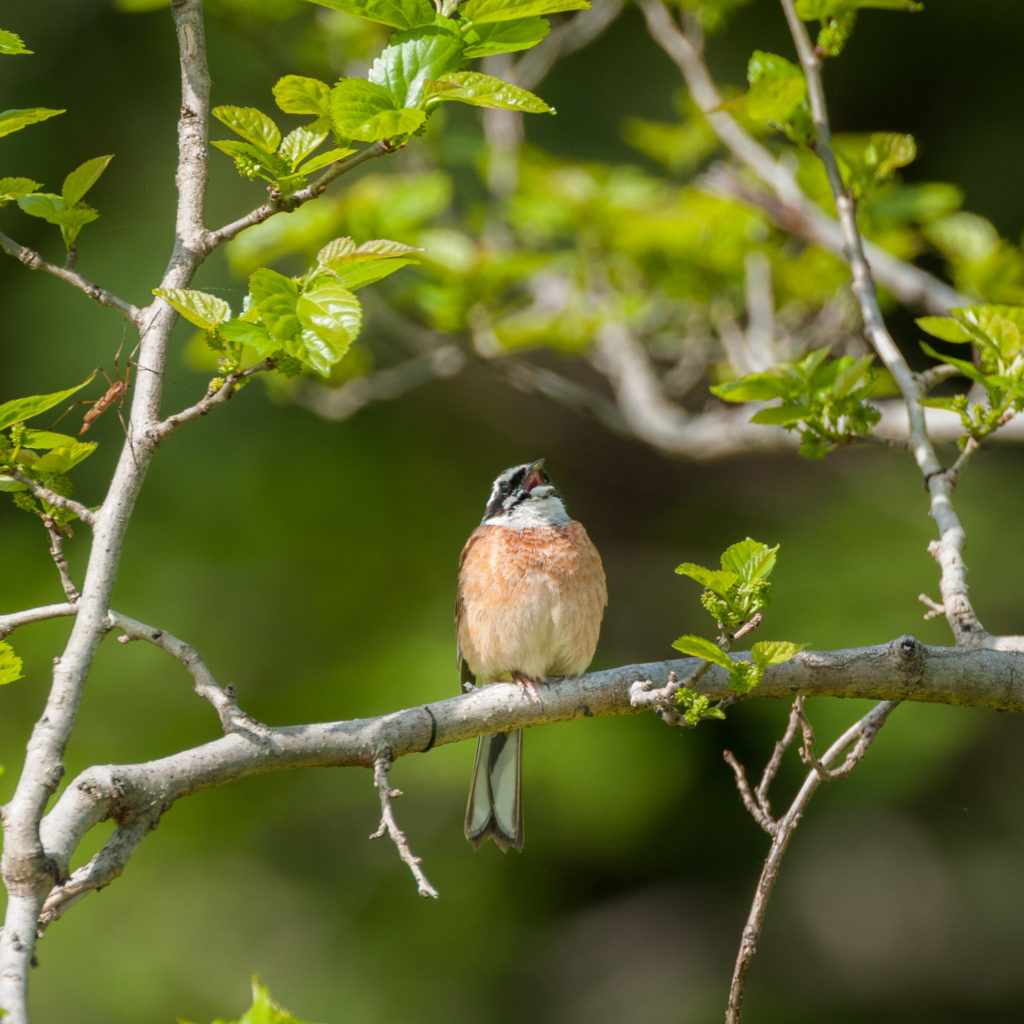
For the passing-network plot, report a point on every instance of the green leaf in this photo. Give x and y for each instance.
(255, 336)
(359, 275)
(757, 387)
(60, 460)
(967, 369)
(504, 37)
(484, 91)
(332, 315)
(778, 95)
(298, 95)
(80, 180)
(297, 145)
(55, 210)
(368, 112)
(15, 188)
(988, 325)
(698, 647)
(750, 559)
(276, 296)
(10, 664)
(774, 652)
(45, 439)
(25, 408)
(10, 43)
(344, 250)
(330, 157)
(250, 159)
(938, 403)
(15, 120)
(822, 10)
(720, 582)
(197, 308)
(417, 56)
(400, 14)
(253, 125)
(481, 12)
(782, 415)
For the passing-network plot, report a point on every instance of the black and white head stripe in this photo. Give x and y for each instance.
(522, 496)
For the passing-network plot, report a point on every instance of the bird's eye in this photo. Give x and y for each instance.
(504, 488)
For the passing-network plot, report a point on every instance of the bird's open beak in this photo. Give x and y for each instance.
(534, 476)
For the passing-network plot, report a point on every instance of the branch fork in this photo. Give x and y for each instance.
(389, 826)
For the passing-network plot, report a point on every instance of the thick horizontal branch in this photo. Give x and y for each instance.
(34, 261)
(901, 670)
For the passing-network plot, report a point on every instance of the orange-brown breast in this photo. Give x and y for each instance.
(529, 601)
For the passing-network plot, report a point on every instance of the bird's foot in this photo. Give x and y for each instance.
(527, 685)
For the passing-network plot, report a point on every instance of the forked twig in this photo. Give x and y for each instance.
(381, 767)
(862, 733)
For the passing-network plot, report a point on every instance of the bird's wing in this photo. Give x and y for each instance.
(465, 673)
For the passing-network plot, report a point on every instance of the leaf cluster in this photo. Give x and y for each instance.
(734, 594)
(838, 18)
(825, 399)
(997, 333)
(21, 449)
(263, 1010)
(294, 322)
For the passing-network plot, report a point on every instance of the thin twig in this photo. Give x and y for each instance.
(53, 498)
(381, 767)
(59, 559)
(34, 261)
(161, 431)
(232, 718)
(936, 610)
(9, 623)
(863, 732)
(268, 210)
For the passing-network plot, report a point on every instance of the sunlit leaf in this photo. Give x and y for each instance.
(774, 652)
(15, 120)
(15, 188)
(484, 91)
(480, 12)
(698, 647)
(20, 409)
(80, 180)
(412, 58)
(60, 460)
(333, 315)
(721, 582)
(199, 308)
(276, 296)
(400, 14)
(10, 43)
(750, 559)
(504, 36)
(10, 664)
(298, 95)
(253, 125)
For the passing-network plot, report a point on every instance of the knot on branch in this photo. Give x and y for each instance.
(909, 656)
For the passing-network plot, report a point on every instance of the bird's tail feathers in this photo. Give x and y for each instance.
(496, 793)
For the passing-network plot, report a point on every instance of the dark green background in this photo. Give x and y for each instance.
(314, 565)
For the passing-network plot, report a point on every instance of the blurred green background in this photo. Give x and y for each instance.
(314, 565)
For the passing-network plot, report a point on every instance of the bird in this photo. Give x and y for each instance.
(531, 596)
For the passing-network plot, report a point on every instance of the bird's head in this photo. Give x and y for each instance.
(524, 496)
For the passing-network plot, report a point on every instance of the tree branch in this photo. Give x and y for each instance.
(59, 559)
(863, 732)
(902, 669)
(948, 549)
(34, 261)
(790, 207)
(381, 767)
(340, 403)
(53, 498)
(9, 623)
(212, 239)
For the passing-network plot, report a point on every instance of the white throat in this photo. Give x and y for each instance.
(532, 513)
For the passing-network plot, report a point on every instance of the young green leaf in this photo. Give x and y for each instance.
(781, 415)
(25, 408)
(10, 43)
(400, 14)
(80, 180)
(359, 275)
(967, 369)
(298, 95)
(328, 157)
(481, 12)
(297, 145)
(255, 336)
(10, 664)
(750, 559)
(344, 250)
(778, 95)
(774, 652)
(720, 582)
(15, 120)
(276, 296)
(55, 210)
(196, 307)
(757, 387)
(414, 57)
(253, 125)
(698, 647)
(15, 188)
(60, 460)
(263, 1010)
(368, 112)
(44, 439)
(484, 91)
(488, 38)
(333, 314)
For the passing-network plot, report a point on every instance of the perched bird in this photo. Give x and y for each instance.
(530, 600)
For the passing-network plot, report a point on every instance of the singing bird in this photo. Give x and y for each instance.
(530, 600)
